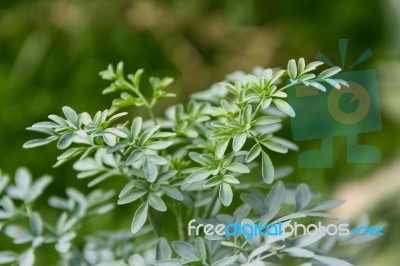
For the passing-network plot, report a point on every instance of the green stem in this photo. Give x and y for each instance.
(145, 102)
(179, 219)
(266, 256)
(153, 223)
(256, 111)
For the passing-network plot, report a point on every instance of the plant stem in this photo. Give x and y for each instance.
(289, 85)
(154, 223)
(180, 223)
(266, 256)
(256, 110)
(212, 204)
(145, 102)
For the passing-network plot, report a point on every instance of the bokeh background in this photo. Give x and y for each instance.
(51, 53)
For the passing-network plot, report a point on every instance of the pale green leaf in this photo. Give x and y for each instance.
(163, 251)
(292, 69)
(284, 107)
(157, 203)
(139, 218)
(131, 196)
(238, 168)
(267, 168)
(225, 194)
(185, 250)
(238, 141)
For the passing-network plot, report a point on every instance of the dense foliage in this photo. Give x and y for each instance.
(193, 162)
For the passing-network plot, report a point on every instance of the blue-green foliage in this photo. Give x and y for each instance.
(190, 162)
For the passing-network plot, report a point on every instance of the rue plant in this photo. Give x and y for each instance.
(208, 160)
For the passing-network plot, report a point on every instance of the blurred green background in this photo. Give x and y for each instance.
(51, 53)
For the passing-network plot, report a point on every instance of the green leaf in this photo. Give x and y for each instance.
(275, 197)
(19, 234)
(139, 218)
(198, 175)
(284, 107)
(60, 121)
(117, 132)
(312, 66)
(238, 141)
(131, 196)
(329, 72)
(266, 120)
(45, 130)
(238, 168)
(299, 252)
(150, 170)
(253, 153)
(306, 240)
(326, 205)
(38, 142)
(225, 194)
(185, 250)
(302, 197)
(227, 261)
(213, 181)
(198, 159)
(164, 134)
(128, 187)
(70, 114)
(221, 148)
(267, 168)
(258, 251)
(147, 134)
(137, 76)
(292, 69)
(70, 153)
(333, 83)
(301, 65)
(8, 257)
(172, 192)
(87, 164)
(27, 258)
(136, 126)
(274, 146)
(156, 159)
(117, 147)
(266, 102)
(200, 248)
(255, 202)
(246, 116)
(318, 86)
(37, 188)
(242, 212)
(167, 174)
(135, 156)
(159, 145)
(163, 251)
(275, 77)
(65, 141)
(157, 203)
(329, 261)
(36, 224)
(230, 179)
